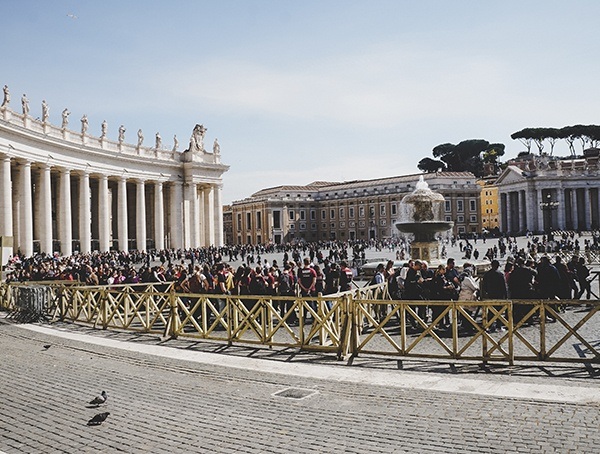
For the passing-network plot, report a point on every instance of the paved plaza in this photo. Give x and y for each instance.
(181, 396)
(185, 396)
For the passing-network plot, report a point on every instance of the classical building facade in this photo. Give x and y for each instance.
(544, 193)
(355, 210)
(65, 190)
(489, 203)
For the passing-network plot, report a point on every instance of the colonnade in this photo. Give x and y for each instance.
(51, 209)
(542, 209)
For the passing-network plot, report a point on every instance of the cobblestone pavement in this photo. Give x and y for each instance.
(165, 404)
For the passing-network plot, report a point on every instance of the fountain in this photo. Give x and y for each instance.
(422, 214)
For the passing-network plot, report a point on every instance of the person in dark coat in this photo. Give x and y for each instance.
(493, 287)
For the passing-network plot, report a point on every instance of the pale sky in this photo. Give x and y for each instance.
(298, 91)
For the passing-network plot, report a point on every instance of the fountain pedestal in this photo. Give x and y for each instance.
(422, 214)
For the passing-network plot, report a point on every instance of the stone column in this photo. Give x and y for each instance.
(65, 230)
(85, 214)
(522, 212)
(218, 219)
(574, 209)
(508, 213)
(530, 213)
(45, 210)
(201, 219)
(122, 215)
(103, 214)
(541, 225)
(209, 216)
(176, 224)
(159, 216)
(188, 217)
(26, 212)
(587, 202)
(560, 198)
(196, 218)
(140, 215)
(6, 208)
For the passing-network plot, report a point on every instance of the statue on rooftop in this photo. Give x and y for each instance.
(65, 118)
(84, 124)
(6, 100)
(140, 135)
(25, 104)
(197, 139)
(45, 111)
(104, 129)
(175, 143)
(158, 144)
(121, 134)
(216, 147)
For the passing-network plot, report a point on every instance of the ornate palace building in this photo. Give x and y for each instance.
(65, 190)
(355, 210)
(545, 193)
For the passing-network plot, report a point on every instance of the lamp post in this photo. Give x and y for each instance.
(547, 205)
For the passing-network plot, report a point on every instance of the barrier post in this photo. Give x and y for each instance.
(484, 346)
(511, 344)
(454, 330)
(542, 330)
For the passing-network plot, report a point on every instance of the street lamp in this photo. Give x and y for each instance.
(547, 205)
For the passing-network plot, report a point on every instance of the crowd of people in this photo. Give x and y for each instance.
(322, 267)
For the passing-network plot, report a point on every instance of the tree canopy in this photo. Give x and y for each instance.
(467, 156)
(585, 134)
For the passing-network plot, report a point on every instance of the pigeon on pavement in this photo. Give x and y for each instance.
(98, 419)
(101, 399)
(47, 346)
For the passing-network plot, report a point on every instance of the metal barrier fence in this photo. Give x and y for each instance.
(362, 321)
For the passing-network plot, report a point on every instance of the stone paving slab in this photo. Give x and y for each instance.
(165, 404)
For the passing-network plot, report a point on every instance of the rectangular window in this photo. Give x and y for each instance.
(460, 206)
(276, 219)
(394, 209)
(313, 215)
(302, 215)
(447, 206)
(323, 214)
(473, 218)
(361, 212)
(372, 211)
(239, 223)
(258, 220)
(332, 213)
(461, 219)
(351, 212)
(248, 221)
(382, 210)
(342, 213)
(472, 206)
(291, 215)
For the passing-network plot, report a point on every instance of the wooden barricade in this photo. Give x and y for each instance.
(361, 321)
